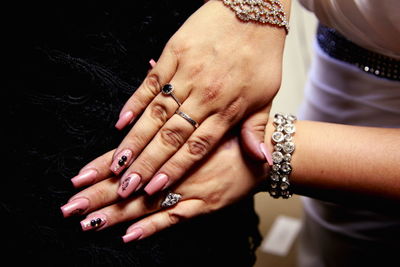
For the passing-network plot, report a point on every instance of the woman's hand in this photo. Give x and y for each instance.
(224, 177)
(222, 71)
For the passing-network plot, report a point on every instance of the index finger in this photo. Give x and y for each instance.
(161, 73)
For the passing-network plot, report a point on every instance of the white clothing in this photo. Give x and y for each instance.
(372, 24)
(336, 235)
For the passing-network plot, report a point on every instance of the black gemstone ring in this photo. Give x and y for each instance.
(168, 89)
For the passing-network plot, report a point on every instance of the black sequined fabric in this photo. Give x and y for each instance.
(337, 46)
(70, 68)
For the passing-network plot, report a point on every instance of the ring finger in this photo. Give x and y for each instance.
(103, 216)
(154, 117)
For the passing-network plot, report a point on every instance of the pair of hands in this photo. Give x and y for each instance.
(223, 71)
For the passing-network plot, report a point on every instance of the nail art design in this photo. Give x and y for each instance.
(121, 161)
(93, 222)
(75, 207)
(125, 183)
(129, 184)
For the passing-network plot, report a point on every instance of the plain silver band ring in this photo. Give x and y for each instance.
(187, 118)
(168, 89)
(170, 200)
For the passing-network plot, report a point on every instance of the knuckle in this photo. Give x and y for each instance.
(211, 92)
(199, 146)
(116, 213)
(172, 137)
(152, 226)
(136, 142)
(178, 45)
(174, 217)
(214, 197)
(99, 194)
(233, 111)
(146, 166)
(152, 84)
(175, 166)
(159, 112)
(195, 70)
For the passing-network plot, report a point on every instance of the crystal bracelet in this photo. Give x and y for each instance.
(282, 139)
(262, 11)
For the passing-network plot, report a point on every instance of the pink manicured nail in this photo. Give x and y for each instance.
(152, 63)
(95, 221)
(135, 234)
(156, 184)
(121, 161)
(124, 120)
(128, 184)
(266, 154)
(84, 178)
(75, 207)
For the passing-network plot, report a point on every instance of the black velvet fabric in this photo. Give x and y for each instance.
(70, 68)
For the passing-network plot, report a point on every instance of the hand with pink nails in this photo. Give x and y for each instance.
(224, 177)
(195, 93)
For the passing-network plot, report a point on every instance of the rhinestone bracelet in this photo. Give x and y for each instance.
(262, 11)
(282, 139)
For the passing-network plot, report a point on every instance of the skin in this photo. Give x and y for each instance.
(220, 77)
(227, 171)
(224, 175)
(324, 153)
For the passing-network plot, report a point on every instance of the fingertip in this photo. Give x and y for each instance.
(132, 235)
(125, 119)
(121, 161)
(156, 184)
(75, 207)
(267, 154)
(94, 222)
(129, 184)
(84, 178)
(152, 63)
(252, 145)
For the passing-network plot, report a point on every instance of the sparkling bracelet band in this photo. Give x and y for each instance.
(262, 11)
(282, 138)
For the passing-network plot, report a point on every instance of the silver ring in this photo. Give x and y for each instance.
(168, 89)
(170, 200)
(187, 118)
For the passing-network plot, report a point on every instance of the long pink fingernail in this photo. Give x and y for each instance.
(95, 221)
(124, 120)
(152, 63)
(135, 234)
(84, 178)
(75, 207)
(128, 184)
(121, 161)
(156, 184)
(266, 154)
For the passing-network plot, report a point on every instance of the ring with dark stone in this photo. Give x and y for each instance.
(168, 90)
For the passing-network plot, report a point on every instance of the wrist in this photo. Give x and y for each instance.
(262, 12)
(283, 145)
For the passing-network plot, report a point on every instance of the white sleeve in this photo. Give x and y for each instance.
(373, 24)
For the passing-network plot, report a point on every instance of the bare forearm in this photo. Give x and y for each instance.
(341, 159)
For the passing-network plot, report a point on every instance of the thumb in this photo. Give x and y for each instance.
(252, 135)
